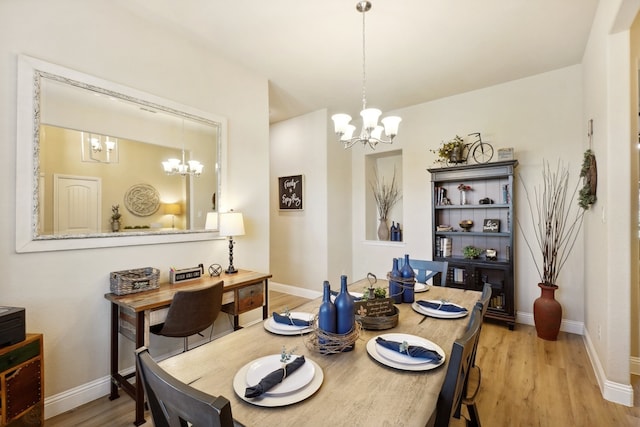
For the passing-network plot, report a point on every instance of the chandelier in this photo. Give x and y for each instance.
(371, 132)
(177, 167)
(184, 168)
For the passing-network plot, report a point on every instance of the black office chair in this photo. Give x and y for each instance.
(191, 312)
(176, 404)
(427, 269)
(454, 388)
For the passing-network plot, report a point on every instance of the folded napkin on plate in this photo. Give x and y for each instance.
(355, 298)
(442, 306)
(411, 350)
(274, 378)
(290, 320)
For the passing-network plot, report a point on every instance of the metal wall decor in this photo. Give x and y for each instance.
(142, 200)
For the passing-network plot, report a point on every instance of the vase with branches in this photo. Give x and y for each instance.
(556, 224)
(386, 196)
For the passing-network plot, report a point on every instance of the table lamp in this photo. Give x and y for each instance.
(231, 224)
(211, 222)
(173, 209)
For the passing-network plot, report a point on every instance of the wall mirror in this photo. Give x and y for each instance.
(92, 158)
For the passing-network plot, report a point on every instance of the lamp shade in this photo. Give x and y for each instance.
(212, 221)
(231, 224)
(173, 209)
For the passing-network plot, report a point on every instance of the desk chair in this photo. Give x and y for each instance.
(174, 403)
(427, 269)
(190, 313)
(454, 388)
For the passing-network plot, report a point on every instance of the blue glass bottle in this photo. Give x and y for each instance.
(408, 281)
(395, 290)
(345, 309)
(327, 315)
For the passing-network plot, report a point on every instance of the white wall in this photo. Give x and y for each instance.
(611, 232)
(540, 117)
(312, 245)
(63, 291)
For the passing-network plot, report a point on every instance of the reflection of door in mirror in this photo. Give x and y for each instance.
(139, 163)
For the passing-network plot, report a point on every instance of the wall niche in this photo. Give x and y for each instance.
(386, 166)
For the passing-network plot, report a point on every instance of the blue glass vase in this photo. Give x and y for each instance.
(327, 315)
(395, 290)
(408, 281)
(345, 309)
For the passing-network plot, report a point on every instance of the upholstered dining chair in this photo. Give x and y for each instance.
(191, 312)
(427, 269)
(176, 404)
(454, 389)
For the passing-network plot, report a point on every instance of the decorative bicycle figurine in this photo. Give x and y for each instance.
(481, 152)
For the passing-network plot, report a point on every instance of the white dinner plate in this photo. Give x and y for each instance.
(438, 313)
(394, 356)
(373, 347)
(267, 400)
(288, 328)
(421, 287)
(353, 294)
(265, 365)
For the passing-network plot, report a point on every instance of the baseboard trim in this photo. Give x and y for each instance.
(570, 326)
(294, 290)
(611, 391)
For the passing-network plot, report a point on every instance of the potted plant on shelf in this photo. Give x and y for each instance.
(115, 218)
(556, 224)
(471, 252)
(451, 151)
(386, 197)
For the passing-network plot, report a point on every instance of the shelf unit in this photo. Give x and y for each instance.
(495, 182)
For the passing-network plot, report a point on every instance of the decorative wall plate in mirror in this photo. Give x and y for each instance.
(83, 143)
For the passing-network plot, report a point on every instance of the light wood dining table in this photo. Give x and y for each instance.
(356, 389)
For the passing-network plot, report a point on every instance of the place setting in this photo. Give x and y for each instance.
(278, 380)
(441, 309)
(421, 287)
(405, 352)
(290, 323)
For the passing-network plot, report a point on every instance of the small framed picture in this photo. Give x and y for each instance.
(491, 226)
(290, 192)
(505, 154)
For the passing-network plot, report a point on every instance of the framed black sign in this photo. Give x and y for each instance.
(290, 192)
(491, 226)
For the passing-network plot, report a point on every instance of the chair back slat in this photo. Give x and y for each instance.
(175, 404)
(460, 362)
(427, 269)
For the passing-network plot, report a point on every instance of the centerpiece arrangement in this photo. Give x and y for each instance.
(450, 151)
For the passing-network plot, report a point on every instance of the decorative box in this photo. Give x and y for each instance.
(136, 280)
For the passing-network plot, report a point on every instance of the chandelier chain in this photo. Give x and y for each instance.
(364, 59)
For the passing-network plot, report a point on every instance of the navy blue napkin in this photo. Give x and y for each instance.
(412, 350)
(451, 308)
(274, 378)
(290, 320)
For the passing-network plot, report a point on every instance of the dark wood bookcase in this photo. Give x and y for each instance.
(489, 204)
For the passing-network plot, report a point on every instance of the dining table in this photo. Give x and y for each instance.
(355, 388)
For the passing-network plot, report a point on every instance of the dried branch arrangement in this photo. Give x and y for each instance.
(386, 196)
(556, 221)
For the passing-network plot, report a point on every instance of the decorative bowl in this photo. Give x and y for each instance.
(466, 224)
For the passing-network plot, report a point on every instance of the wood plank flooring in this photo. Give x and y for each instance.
(525, 382)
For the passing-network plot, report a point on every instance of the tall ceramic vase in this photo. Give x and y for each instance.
(547, 313)
(383, 230)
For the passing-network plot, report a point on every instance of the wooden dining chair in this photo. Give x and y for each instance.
(454, 389)
(191, 312)
(427, 269)
(176, 404)
(483, 302)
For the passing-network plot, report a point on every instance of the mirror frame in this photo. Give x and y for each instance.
(30, 71)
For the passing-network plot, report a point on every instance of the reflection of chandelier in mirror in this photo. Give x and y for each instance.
(99, 148)
(371, 133)
(175, 167)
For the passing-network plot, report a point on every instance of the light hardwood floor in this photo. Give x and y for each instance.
(525, 382)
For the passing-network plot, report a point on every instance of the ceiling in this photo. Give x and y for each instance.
(416, 50)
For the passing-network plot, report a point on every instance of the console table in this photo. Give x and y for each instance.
(133, 314)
